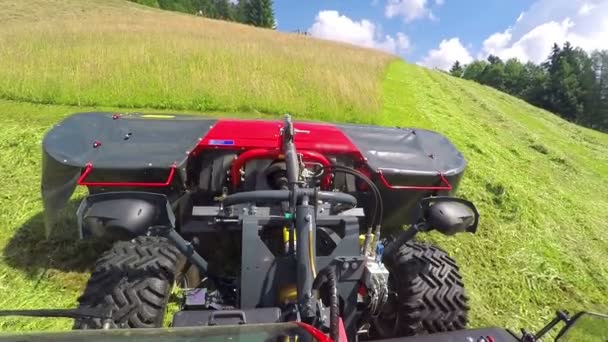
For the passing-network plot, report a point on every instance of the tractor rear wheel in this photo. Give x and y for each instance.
(426, 294)
(134, 280)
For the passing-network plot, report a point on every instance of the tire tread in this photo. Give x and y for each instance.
(430, 290)
(134, 278)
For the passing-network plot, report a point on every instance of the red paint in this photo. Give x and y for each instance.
(316, 334)
(248, 134)
(342, 336)
(89, 168)
(261, 153)
(446, 186)
(362, 290)
(260, 139)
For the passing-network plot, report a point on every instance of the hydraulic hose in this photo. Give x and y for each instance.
(393, 247)
(328, 276)
(311, 251)
(378, 212)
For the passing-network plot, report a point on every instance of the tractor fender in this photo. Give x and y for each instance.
(123, 215)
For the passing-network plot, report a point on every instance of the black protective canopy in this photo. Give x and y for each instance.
(111, 141)
(405, 150)
(148, 145)
(115, 143)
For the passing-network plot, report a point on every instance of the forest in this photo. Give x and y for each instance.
(251, 12)
(571, 82)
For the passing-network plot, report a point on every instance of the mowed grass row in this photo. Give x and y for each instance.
(134, 56)
(541, 185)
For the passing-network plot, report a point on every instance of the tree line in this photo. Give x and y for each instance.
(251, 12)
(570, 83)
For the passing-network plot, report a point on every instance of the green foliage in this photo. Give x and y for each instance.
(456, 69)
(258, 13)
(514, 76)
(570, 83)
(252, 12)
(150, 3)
(185, 6)
(474, 70)
(224, 10)
(493, 74)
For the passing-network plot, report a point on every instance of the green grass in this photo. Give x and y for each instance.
(540, 183)
(587, 328)
(142, 57)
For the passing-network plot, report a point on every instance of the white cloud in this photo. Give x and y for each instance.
(409, 10)
(332, 25)
(439, 2)
(584, 23)
(449, 51)
(586, 9)
(496, 42)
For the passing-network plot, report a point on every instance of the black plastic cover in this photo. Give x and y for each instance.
(123, 215)
(407, 157)
(405, 150)
(472, 335)
(199, 318)
(127, 142)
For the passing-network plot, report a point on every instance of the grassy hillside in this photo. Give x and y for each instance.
(140, 57)
(540, 183)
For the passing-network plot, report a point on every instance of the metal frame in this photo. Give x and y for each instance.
(264, 274)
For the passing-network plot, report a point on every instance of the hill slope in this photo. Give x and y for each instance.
(541, 183)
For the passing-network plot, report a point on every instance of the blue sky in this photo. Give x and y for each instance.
(435, 32)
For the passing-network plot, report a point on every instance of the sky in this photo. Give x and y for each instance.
(436, 33)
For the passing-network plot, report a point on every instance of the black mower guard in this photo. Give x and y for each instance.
(104, 151)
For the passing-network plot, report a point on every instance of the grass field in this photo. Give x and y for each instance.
(127, 58)
(540, 183)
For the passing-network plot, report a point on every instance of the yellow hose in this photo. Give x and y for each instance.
(310, 251)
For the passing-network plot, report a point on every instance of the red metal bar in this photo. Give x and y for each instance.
(447, 186)
(262, 153)
(318, 335)
(89, 168)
